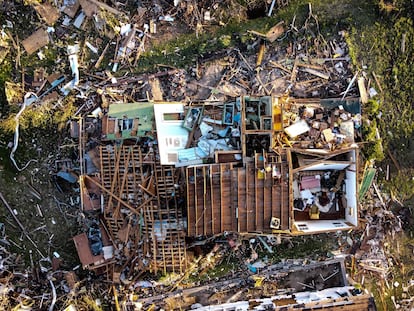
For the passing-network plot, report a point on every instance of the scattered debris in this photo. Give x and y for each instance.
(239, 147)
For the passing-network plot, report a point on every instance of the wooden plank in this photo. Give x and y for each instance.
(104, 6)
(283, 215)
(267, 201)
(172, 253)
(47, 12)
(275, 201)
(36, 41)
(112, 194)
(222, 200)
(247, 197)
(250, 185)
(207, 201)
(84, 252)
(225, 198)
(205, 217)
(213, 218)
(228, 202)
(234, 198)
(155, 89)
(200, 201)
(71, 10)
(88, 7)
(124, 177)
(259, 185)
(115, 179)
(216, 206)
(197, 216)
(290, 188)
(241, 195)
(289, 191)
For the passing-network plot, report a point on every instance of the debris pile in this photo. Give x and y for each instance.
(179, 154)
(103, 45)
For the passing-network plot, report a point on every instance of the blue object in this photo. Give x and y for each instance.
(67, 176)
(252, 268)
(237, 117)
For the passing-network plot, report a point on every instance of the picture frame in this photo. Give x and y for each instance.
(228, 114)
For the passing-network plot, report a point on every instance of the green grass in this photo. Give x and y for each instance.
(186, 49)
(331, 17)
(378, 46)
(5, 72)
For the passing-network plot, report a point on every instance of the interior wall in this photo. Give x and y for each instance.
(171, 134)
(351, 213)
(326, 166)
(352, 158)
(321, 225)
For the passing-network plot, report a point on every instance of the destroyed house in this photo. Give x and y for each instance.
(333, 299)
(161, 172)
(131, 195)
(288, 285)
(294, 171)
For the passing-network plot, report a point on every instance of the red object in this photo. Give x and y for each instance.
(310, 182)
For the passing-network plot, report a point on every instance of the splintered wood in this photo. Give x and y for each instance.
(152, 222)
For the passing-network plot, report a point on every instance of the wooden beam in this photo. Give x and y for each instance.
(213, 224)
(233, 198)
(221, 200)
(256, 212)
(111, 194)
(243, 128)
(124, 177)
(241, 201)
(162, 248)
(195, 201)
(284, 214)
(115, 175)
(290, 186)
(267, 200)
(247, 197)
(205, 220)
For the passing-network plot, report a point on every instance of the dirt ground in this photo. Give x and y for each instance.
(47, 209)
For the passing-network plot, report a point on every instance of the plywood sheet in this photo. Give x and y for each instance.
(88, 7)
(70, 10)
(48, 13)
(36, 41)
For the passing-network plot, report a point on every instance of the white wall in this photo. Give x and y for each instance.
(171, 134)
(322, 225)
(326, 166)
(352, 158)
(351, 212)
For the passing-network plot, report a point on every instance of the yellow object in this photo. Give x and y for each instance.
(258, 281)
(314, 212)
(277, 118)
(115, 293)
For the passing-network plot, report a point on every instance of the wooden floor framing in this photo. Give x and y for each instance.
(140, 206)
(225, 197)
